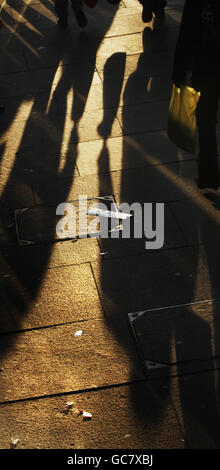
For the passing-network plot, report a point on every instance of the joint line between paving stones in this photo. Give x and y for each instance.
(97, 288)
(105, 387)
(37, 268)
(73, 392)
(127, 255)
(180, 228)
(38, 68)
(154, 101)
(147, 165)
(46, 327)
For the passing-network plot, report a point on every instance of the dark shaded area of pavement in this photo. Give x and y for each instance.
(86, 113)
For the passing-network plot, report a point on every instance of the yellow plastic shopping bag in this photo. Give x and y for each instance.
(182, 118)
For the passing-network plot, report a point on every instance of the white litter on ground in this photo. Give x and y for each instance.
(87, 415)
(69, 404)
(14, 442)
(78, 333)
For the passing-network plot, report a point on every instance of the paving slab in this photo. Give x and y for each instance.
(160, 183)
(195, 398)
(22, 133)
(173, 237)
(122, 418)
(199, 224)
(152, 64)
(143, 117)
(16, 195)
(164, 278)
(7, 322)
(125, 152)
(38, 160)
(59, 295)
(134, 91)
(11, 62)
(72, 51)
(54, 360)
(15, 258)
(17, 107)
(178, 340)
(60, 77)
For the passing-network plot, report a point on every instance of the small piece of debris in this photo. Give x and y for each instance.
(127, 435)
(78, 333)
(87, 415)
(14, 442)
(69, 404)
(41, 48)
(76, 412)
(108, 214)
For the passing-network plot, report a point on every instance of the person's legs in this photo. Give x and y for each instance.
(77, 6)
(158, 8)
(150, 7)
(147, 13)
(61, 8)
(208, 168)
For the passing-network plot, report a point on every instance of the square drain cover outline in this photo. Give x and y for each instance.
(176, 339)
(37, 224)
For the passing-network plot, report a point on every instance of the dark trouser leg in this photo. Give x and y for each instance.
(147, 13)
(77, 6)
(158, 8)
(61, 8)
(150, 6)
(208, 168)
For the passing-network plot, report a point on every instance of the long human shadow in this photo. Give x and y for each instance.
(42, 159)
(167, 278)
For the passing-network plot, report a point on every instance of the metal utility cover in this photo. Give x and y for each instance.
(177, 339)
(37, 224)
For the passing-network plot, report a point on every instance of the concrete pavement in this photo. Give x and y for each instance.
(86, 114)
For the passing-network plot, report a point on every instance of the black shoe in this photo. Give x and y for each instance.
(80, 17)
(147, 13)
(62, 22)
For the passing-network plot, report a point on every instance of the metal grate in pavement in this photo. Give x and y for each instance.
(38, 224)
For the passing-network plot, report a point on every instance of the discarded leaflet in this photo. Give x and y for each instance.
(78, 333)
(14, 442)
(87, 415)
(109, 214)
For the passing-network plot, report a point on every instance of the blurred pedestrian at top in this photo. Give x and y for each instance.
(197, 55)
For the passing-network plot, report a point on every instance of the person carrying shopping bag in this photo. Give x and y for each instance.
(198, 54)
